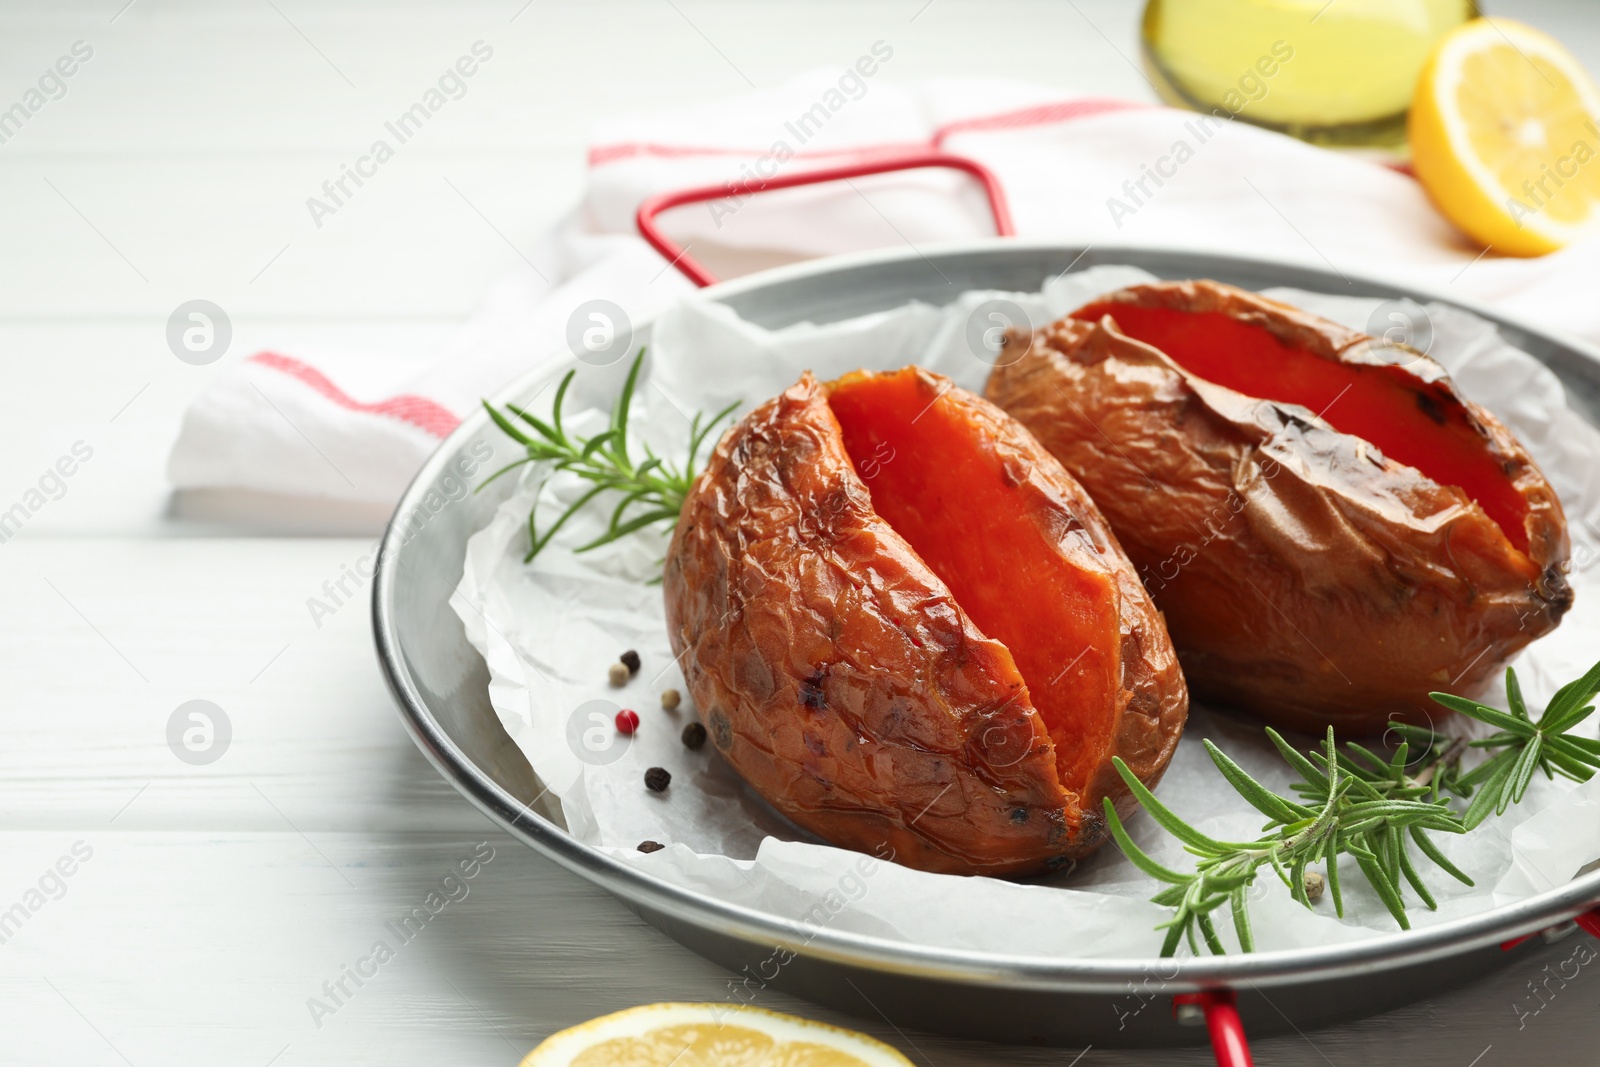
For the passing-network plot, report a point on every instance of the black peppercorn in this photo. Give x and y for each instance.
(630, 660)
(651, 846)
(694, 735)
(656, 779)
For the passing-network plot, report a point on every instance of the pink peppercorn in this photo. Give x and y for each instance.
(627, 721)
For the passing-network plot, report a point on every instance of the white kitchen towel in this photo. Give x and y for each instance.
(1081, 170)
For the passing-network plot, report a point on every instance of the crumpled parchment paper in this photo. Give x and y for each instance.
(549, 630)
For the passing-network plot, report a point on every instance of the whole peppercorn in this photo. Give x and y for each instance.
(630, 660)
(651, 846)
(618, 675)
(656, 779)
(670, 699)
(694, 735)
(1315, 883)
(627, 721)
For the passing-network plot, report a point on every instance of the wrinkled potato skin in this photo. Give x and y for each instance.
(836, 673)
(1304, 577)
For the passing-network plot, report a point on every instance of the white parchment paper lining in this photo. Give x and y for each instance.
(550, 629)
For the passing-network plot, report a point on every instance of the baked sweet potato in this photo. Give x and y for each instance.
(909, 629)
(1330, 528)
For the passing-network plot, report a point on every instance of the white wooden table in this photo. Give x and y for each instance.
(207, 904)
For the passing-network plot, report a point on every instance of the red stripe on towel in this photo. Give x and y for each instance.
(419, 411)
(1040, 115)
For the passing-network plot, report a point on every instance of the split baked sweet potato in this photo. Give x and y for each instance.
(1330, 528)
(912, 632)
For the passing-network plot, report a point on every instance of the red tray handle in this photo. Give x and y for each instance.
(697, 273)
(1228, 1043)
(1589, 921)
(1219, 1008)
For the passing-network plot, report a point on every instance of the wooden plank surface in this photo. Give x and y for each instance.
(215, 900)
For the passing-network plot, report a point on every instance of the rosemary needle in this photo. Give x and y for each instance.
(651, 489)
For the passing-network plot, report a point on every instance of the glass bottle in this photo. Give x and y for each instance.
(1337, 72)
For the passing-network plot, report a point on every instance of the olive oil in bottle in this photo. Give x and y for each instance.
(1331, 71)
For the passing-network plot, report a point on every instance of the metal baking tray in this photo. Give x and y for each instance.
(441, 686)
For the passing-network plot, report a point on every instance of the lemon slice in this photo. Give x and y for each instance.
(709, 1035)
(1505, 136)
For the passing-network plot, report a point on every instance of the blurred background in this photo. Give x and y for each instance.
(179, 160)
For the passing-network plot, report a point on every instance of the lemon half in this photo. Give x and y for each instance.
(1505, 136)
(709, 1035)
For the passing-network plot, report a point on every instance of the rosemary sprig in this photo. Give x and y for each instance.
(653, 489)
(1354, 802)
(1523, 746)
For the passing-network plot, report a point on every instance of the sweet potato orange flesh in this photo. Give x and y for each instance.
(1386, 406)
(935, 478)
(845, 680)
